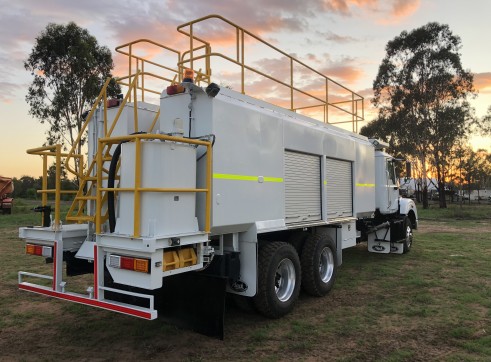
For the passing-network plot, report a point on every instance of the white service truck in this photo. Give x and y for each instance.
(214, 191)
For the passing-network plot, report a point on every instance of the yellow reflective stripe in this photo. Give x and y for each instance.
(226, 176)
(273, 179)
(365, 185)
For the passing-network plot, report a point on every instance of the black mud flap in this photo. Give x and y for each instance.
(193, 301)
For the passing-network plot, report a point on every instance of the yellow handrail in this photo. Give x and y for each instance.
(140, 63)
(53, 150)
(106, 142)
(356, 100)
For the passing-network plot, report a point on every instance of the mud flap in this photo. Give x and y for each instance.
(194, 301)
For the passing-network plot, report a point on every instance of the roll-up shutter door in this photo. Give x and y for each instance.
(302, 187)
(339, 189)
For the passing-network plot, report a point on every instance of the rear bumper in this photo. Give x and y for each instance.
(145, 313)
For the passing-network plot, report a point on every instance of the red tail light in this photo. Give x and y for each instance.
(129, 263)
(40, 250)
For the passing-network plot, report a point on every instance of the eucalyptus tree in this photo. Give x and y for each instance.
(422, 93)
(69, 68)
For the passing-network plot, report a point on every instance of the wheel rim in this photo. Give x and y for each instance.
(285, 279)
(326, 264)
(409, 236)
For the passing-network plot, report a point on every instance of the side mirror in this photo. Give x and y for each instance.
(408, 169)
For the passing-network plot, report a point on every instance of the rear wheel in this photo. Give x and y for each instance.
(319, 265)
(278, 279)
(297, 239)
(408, 235)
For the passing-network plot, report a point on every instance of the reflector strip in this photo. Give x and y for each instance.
(92, 302)
(365, 185)
(225, 176)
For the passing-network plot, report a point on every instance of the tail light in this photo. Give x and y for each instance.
(129, 263)
(41, 250)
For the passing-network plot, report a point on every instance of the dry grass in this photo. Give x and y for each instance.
(431, 304)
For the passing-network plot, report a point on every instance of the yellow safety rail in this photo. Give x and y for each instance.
(53, 151)
(77, 212)
(107, 142)
(355, 103)
(128, 49)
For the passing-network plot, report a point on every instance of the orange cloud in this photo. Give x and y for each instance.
(344, 6)
(344, 73)
(403, 8)
(482, 82)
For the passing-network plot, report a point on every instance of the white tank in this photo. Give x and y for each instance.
(163, 165)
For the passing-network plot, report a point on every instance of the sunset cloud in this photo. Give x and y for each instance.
(337, 38)
(397, 9)
(482, 82)
(404, 8)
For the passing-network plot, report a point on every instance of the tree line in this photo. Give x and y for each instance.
(28, 186)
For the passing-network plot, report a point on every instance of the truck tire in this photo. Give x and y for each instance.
(319, 265)
(297, 239)
(279, 279)
(408, 235)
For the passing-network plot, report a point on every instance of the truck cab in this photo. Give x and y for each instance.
(387, 185)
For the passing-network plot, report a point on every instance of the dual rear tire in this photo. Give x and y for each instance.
(281, 273)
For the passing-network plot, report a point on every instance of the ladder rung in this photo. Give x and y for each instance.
(80, 218)
(85, 198)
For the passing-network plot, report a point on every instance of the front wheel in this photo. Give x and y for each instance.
(279, 278)
(319, 265)
(408, 235)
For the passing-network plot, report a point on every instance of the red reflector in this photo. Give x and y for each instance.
(38, 250)
(127, 263)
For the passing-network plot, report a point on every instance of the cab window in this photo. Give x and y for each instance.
(391, 174)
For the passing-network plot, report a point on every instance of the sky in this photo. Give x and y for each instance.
(345, 39)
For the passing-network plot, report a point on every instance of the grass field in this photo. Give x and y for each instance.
(433, 303)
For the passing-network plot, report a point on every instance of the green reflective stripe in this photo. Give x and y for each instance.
(365, 185)
(226, 176)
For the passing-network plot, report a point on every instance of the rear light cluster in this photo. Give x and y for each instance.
(41, 250)
(129, 263)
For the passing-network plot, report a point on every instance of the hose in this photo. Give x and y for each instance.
(110, 184)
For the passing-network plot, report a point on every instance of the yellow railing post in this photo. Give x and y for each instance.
(98, 203)
(58, 187)
(136, 201)
(209, 163)
(129, 66)
(44, 195)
